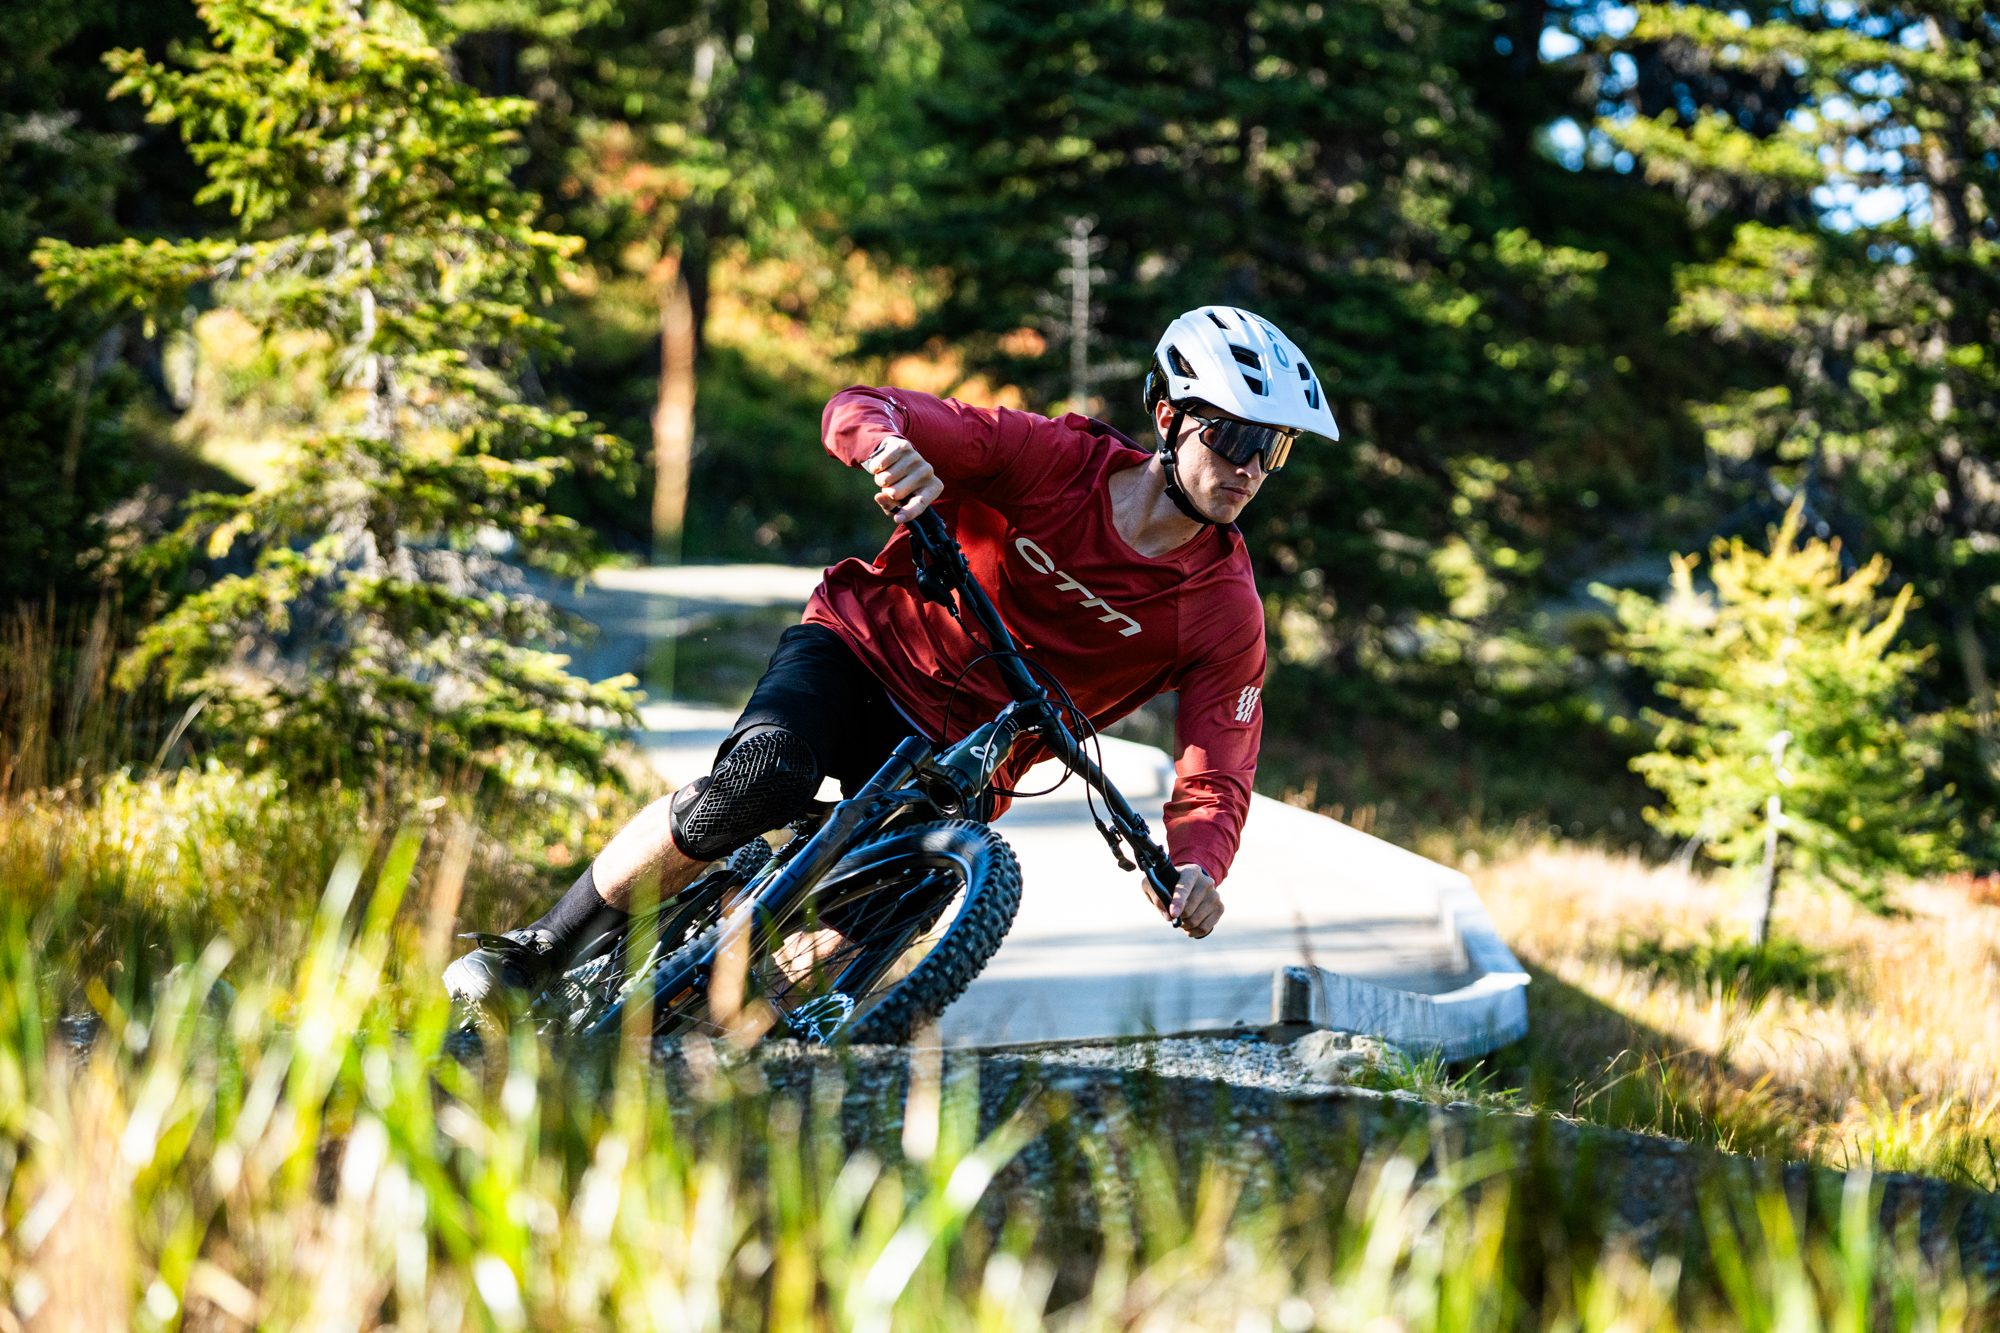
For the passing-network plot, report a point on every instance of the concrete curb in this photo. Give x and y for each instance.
(1485, 1014)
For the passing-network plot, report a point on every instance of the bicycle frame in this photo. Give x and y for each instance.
(919, 771)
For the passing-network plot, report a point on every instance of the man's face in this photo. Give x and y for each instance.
(1218, 487)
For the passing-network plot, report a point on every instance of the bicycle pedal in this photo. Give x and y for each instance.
(822, 1018)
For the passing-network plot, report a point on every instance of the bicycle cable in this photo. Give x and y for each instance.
(950, 591)
(1090, 735)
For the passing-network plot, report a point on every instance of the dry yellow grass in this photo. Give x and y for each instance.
(1899, 1066)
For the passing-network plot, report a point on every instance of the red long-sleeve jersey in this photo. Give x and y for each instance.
(1028, 500)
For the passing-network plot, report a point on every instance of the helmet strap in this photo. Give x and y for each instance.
(1175, 493)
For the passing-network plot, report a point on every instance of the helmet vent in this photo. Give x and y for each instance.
(1179, 363)
(1304, 374)
(1312, 396)
(1246, 356)
(1217, 320)
(1256, 385)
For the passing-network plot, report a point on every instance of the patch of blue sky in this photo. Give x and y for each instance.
(1564, 142)
(1880, 81)
(1613, 21)
(1870, 149)
(1624, 74)
(1846, 206)
(1587, 24)
(1571, 146)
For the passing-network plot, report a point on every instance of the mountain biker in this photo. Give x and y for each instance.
(1119, 569)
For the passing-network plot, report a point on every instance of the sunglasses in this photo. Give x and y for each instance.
(1239, 441)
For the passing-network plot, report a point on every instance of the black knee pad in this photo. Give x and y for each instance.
(767, 779)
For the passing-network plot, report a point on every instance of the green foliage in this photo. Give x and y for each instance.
(1789, 686)
(374, 624)
(1737, 968)
(1332, 167)
(217, 1153)
(1850, 150)
(687, 142)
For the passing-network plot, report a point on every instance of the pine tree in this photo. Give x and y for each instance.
(1794, 723)
(1854, 147)
(360, 618)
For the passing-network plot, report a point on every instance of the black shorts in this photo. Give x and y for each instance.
(816, 688)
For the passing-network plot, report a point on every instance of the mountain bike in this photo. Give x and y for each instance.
(881, 908)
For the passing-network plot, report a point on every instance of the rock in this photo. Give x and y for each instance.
(1336, 1057)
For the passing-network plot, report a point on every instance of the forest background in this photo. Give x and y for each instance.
(1589, 285)
(1661, 338)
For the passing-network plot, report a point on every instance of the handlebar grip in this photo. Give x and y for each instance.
(931, 526)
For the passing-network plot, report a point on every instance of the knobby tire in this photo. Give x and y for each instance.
(972, 854)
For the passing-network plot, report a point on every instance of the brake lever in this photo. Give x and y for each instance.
(1117, 847)
(936, 585)
(1163, 891)
(935, 589)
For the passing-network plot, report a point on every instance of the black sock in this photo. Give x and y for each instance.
(581, 917)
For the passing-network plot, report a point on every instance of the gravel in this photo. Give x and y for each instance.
(1245, 1062)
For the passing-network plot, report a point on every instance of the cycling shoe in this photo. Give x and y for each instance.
(512, 966)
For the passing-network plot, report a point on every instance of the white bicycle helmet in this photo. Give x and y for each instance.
(1238, 363)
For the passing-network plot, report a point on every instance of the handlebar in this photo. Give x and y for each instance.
(941, 572)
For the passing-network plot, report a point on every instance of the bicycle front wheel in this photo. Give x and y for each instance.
(891, 935)
(895, 932)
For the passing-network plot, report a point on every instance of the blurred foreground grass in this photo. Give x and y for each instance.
(298, 1150)
(226, 1101)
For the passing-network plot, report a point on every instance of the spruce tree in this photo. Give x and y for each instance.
(1793, 724)
(356, 617)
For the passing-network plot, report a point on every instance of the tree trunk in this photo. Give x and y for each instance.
(1972, 656)
(673, 420)
(1762, 932)
(88, 367)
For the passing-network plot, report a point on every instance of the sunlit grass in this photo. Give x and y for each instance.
(1854, 1039)
(227, 1101)
(290, 1153)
